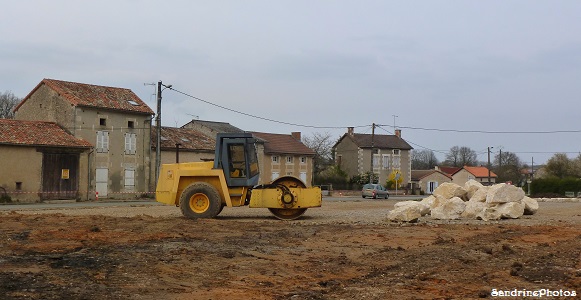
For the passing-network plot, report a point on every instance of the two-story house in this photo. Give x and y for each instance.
(385, 155)
(284, 155)
(115, 120)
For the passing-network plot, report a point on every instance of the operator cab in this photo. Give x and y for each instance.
(236, 156)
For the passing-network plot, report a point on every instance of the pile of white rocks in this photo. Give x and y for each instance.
(471, 201)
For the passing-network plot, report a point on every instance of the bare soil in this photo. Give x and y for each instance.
(343, 250)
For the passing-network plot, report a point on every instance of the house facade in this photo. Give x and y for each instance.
(40, 160)
(428, 180)
(114, 120)
(461, 175)
(385, 155)
(284, 155)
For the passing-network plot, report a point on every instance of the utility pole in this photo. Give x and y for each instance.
(372, 137)
(158, 129)
(489, 182)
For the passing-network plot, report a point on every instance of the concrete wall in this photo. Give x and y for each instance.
(347, 157)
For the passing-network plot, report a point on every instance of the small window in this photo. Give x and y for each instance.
(19, 186)
(130, 124)
(303, 160)
(395, 151)
(289, 159)
(275, 159)
(102, 121)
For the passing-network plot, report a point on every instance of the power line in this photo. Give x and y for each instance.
(490, 132)
(261, 118)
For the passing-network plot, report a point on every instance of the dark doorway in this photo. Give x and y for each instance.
(60, 176)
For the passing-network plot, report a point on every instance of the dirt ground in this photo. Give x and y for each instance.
(343, 250)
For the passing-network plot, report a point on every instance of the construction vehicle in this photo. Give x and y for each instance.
(203, 189)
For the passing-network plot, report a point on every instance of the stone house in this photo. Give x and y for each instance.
(428, 180)
(40, 160)
(114, 120)
(390, 153)
(284, 155)
(461, 175)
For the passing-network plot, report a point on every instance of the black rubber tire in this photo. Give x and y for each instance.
(386, 196)
(362, 196)
(205, 192)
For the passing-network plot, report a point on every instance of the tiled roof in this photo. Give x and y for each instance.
(379, 141)
(479, 172)
(216, 126)
(450, 170)
(283, 144)
(37, 133)
(417, 175)
(88, 95)
(189, 139)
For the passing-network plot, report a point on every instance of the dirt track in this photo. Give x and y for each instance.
(344, 250)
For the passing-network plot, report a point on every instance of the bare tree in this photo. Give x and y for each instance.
(461, 156)
(423, 159)
(507, 165)
(7, 104)
(322, 144)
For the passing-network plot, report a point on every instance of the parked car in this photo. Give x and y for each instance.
(374, 191)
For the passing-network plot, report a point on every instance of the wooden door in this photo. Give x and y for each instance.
(60, 176)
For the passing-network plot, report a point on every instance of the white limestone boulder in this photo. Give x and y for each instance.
(472, 186)
(406, 213)
(449, 209)
(424, 208)
(479, 195)
(450, 190)
(503, 193)
(531, 205)
(489, 213)
(473, 209)
(511, 210)
(429, 201)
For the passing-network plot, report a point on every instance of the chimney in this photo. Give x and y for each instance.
(398, 133)
(350, 131)
(296, 136)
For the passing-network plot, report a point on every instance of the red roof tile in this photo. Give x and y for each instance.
(449, 170)
(282, 144)
(88, 95)
(37, 133)
(479, 172)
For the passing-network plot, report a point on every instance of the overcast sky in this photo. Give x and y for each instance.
(446, 66)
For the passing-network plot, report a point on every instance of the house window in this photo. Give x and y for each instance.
(396, 162)
(102, 141)
(130, 143)
(385, 161)
(130, 124)
(274, 175)
(289, 159)
(275, 159)
(303, 176)
(19, 186)
(303, 160)
(395, 151)
(375, 161)
(339, 160)
(102, 121)
(129, 178)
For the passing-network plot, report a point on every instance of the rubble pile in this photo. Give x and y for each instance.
(451, 201)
